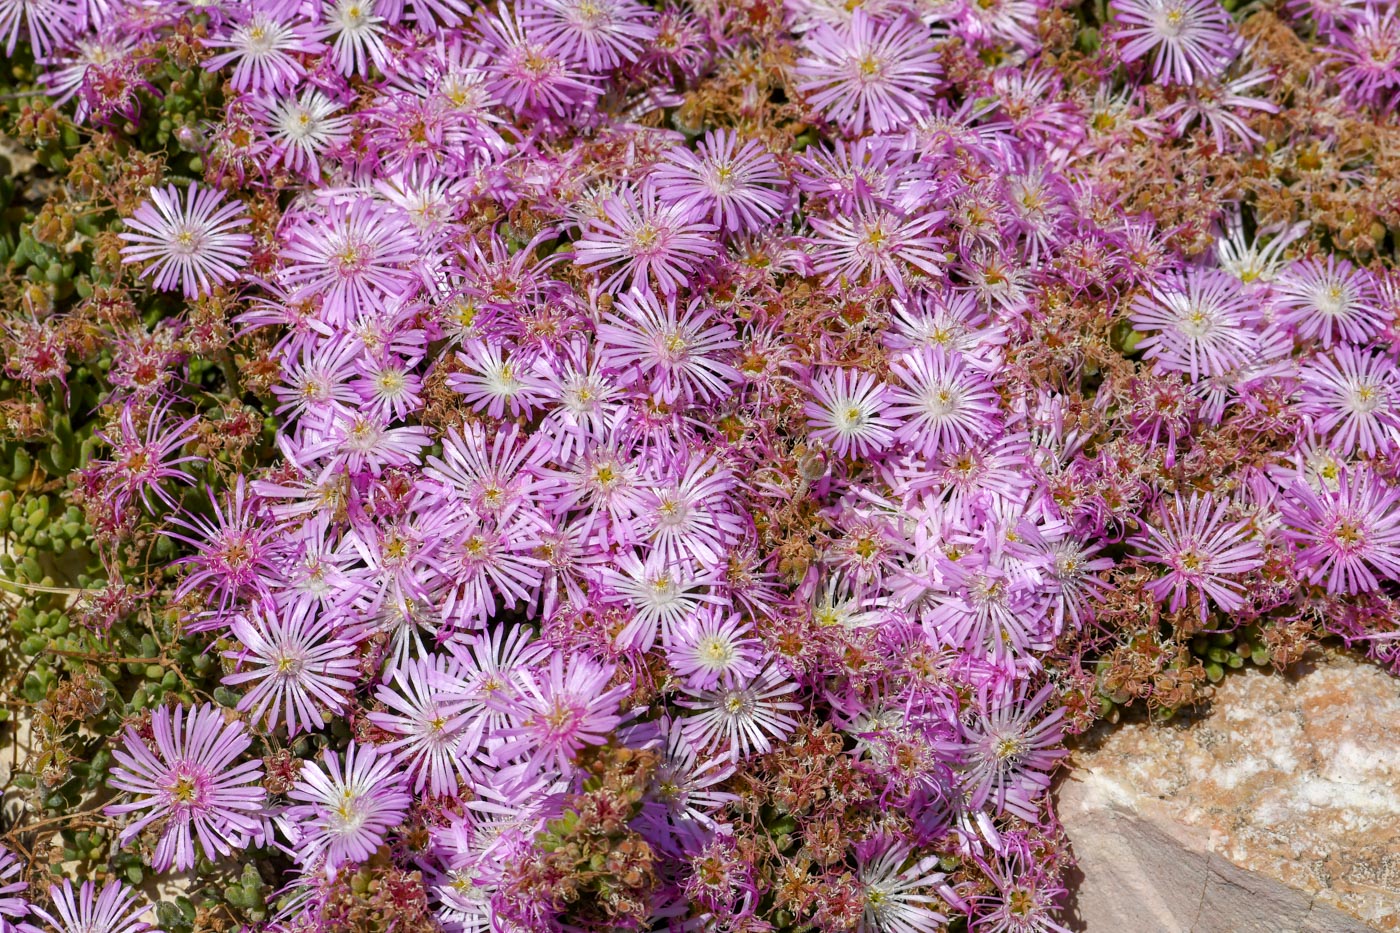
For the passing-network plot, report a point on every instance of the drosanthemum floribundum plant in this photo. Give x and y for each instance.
(595, 465)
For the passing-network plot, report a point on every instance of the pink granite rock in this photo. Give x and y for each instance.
(1276, 811)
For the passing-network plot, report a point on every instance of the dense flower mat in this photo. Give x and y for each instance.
(599, 465)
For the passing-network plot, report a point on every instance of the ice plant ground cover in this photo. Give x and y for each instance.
(597, 465)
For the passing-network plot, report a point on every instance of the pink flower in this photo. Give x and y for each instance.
(302, 129)
(141, 462)
(354, 254)
(441, 724)
(1354, 397)
(194, 244)
(1349, 535)
(689, 514)
(294, 659)
(742, 718)
(356, 31)
(114, 909)
(232, 557)
(848, 411)
(14, 905)
(1329, 301)
(263, 48)
(1368, 51)
(343, 812)
(869, 74)
(1187, 39)
(942, 401)
(47, 22)
(711, 648)
(642, 238)
(1011, 749)
(1205, 554)
(529, 66)
(598, 34)
(879, 245)
(1201, 324)
(899, 889)
(661, 592)
(558, 710)
(739, 187)
(679, 354)
(192, 783)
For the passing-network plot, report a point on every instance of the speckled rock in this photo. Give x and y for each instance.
(1277, 810)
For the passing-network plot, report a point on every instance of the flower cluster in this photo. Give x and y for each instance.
(691, 465)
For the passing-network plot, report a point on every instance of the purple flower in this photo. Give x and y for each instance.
(492, 476)
(428, 15)
(897, 887)
(848, 411)
(878, 244)
(1368, 51)
(48, 23)
(743, 718)
(14, 904)
(1025, 893)
(114, 910)
(528, 63)
(355, 31)
(1354, 397)
(987, 607)
(319, 378)
(1349, 535)
(232, 557)
(990, 22)
(345, 809)
(1328, 15)
(1187, 39)
(677, 816)
(1224, 107)
(141, 462)
(688, 514)
(263, 48)
(353, 254)
(489, 665)
(441, 724)
(1329, 301)
(297, 662)
(388, 387)
(642, 238)
(496, 381)
(739, 187)
(942, 401)
(302, 129)
(678, 353)
(558, 710)
(661, 591)
(102, 71)
(598, 34)
(1205, 554)
(189, 781)
(365, 440)
(1202, 323)
(1009, 755)
(486, 558)
(194, 244)
(868, 74)
(710, 648)
(1074, 568)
